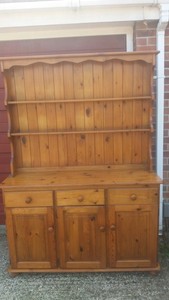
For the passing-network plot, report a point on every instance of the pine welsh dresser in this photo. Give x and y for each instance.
(82, 194)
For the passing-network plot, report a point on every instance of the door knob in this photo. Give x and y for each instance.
(80, 198)
(133, 197)
(50, 229)
(28, 200)
(102, 228)
(112, 227)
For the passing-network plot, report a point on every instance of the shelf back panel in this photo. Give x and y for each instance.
(78, 102)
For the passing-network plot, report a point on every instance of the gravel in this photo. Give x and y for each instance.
(82, 286)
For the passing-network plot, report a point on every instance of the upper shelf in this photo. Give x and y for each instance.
(79, 100)
(99, 109)
(8, 62)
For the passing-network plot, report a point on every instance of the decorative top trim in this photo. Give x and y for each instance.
(8, 62)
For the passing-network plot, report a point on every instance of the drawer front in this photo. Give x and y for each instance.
(137, 196)
(80, 197)
(28, 199)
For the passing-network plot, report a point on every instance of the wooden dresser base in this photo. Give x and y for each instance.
(82, 221)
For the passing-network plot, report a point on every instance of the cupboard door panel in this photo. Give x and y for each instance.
(31, 237)
(132, 236)
(82, 237)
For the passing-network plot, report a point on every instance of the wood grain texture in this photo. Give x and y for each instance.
(34, 246)
(83, 197)
(77, 114)
(84, 232)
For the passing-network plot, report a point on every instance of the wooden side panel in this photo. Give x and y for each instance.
(14, 119)
(147, 116)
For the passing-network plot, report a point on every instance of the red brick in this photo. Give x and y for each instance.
(167, 39)
(146, 33)
(2, 95)
(146, 25)
(1, 81)
(166, 48)
(166, 103)
(166, 96)
(166, 132)
(141, 41)
(166, 140)
(1, 207)
(166, 125)
(3, 138)
(166, 56)
(167, 72)
(145, 48)
(5, 158)
(166, 195)
(5, 168)
(3, 127)
(166, 110)
(166, 80)
(2, 219)
(5, 148)
(3, 176)
(3, 117)
(151, 41)
(166, 87)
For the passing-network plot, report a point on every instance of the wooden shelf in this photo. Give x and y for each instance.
(82, 132)
(78, 100)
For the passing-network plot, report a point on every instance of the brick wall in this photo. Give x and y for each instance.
(145, 39)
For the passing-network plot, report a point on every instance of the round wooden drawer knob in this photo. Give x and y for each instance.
(133, 197)
(112, 227)
(102, 228)
(50, 229)
(80, 198)
(28, 200)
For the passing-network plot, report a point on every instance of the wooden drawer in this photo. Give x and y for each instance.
(80, 197)
(28, 199)
(137, 196)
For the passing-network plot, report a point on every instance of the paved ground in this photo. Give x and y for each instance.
(88, 286)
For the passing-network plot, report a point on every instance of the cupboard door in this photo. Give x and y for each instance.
(81, 233)
(132, 236)
(31, 237)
